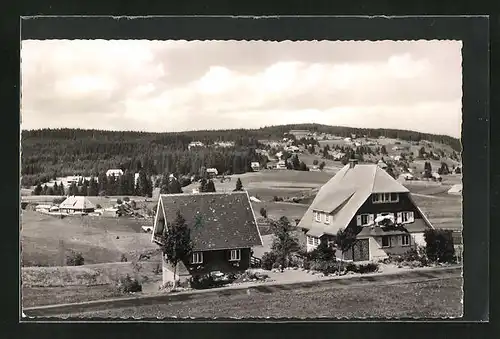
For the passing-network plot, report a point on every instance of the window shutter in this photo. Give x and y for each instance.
(371, 219)
(358, 220)
(399, 218)
(411, 217)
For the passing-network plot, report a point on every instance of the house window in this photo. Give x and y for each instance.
(235, 255)
(364, 219)
(386, 241)
(312, 241)
(405, 240)
(327, 219)
(381, 198)
(318, 216)
(197, 258)
(407, 217)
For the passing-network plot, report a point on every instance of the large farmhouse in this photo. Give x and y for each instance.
(223, 230)
(368, 200)
(76, 205)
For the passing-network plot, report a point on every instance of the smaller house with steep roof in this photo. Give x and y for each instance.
(222, 227)
(76, 205)
(376, 207)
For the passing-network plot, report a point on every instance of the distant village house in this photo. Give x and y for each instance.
(114, 173)
(76, 205)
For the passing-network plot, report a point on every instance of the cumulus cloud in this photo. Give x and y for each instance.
(180, 85)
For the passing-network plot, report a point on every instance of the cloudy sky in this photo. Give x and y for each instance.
(179, 85)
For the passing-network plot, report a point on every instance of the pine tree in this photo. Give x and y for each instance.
(174, 186)
(73, 189)
(55, 189)
(62, 191)
(44, 190)
(284, 244)
(38, 189)
(239, 185)
(84, 189)
(164, 184)
(93, 187)
(210, 186)
(177, 244)
(203, 185)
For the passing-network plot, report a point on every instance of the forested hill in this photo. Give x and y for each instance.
(271, 132)
(48, 153)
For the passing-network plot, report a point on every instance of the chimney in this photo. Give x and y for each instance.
(352, 163)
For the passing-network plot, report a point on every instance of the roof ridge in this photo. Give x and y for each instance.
(374, 176)
(201, 193)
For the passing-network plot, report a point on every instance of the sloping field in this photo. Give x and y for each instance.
(443, 212)
(88, 275)
(269, 183)
(46, 240)
(427, 188)
(276, 210)
(54, 285)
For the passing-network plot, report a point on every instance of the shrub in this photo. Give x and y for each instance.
(268, 259)
(123, 258)
(126, 199)
(296, 261)
(368, 268)
(351, 267)
(323, 266)
(133, 204)
(128, 285)
(75, 259)
(439, 245)
(119, 201)
(362, 268)
(201, 282)
(275, 265)
(276, 198)
(323, 252)
(98, 206)
(263, 212)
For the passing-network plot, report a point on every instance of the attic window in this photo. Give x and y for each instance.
(384, 198)
(317, 216)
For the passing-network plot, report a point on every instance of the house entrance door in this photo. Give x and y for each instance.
(361, 250)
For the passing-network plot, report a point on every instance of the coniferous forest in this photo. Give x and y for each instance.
(51, 153)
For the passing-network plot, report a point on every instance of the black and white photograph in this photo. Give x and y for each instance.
(241, 179)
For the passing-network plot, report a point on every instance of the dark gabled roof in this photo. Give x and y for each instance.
(216, 220)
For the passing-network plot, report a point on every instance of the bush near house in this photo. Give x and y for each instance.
(324, 266)
(128, 284)
(413, 258)
(439, 245)
(201, 282)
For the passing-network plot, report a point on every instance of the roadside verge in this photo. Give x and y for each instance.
(413, 276)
